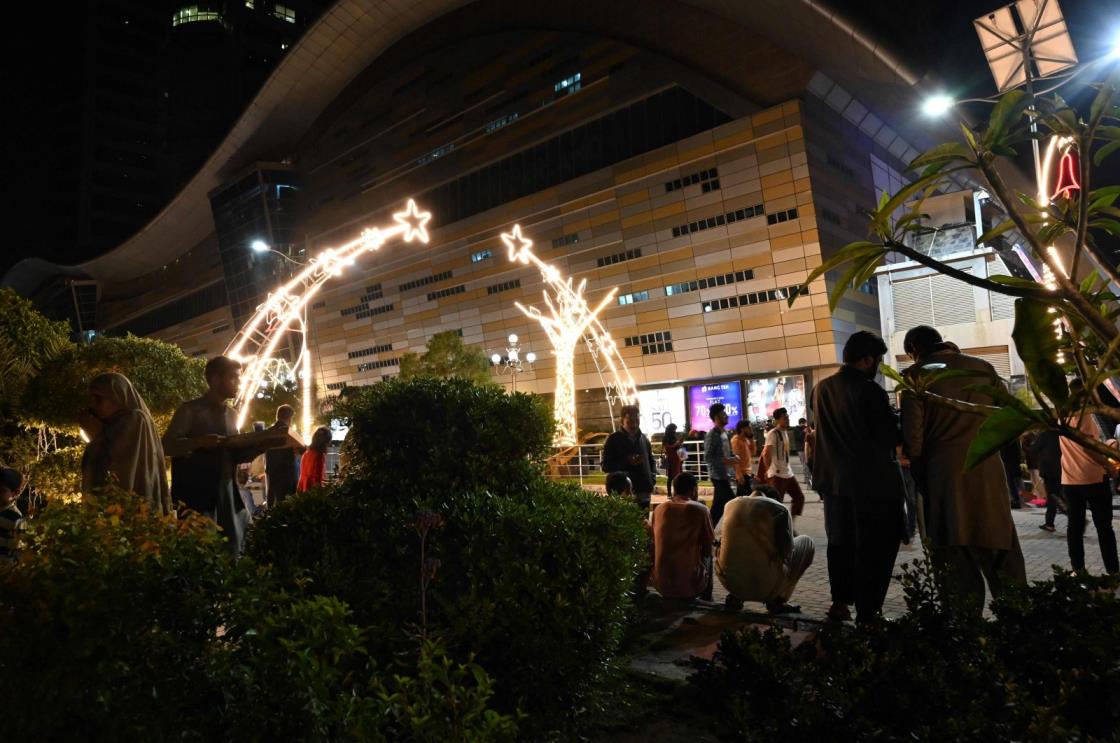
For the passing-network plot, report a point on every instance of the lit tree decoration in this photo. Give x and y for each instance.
(570, 319)
(256, 343)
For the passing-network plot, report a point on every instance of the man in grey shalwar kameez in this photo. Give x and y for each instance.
(203, 469)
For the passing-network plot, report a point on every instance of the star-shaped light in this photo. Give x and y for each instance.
(517, 244)
(414, 222)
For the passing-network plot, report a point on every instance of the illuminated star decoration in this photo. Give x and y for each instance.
(256, 344)
(568, 321)
(414, 222)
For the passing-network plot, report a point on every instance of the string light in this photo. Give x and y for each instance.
(256, 343)
(569, 320)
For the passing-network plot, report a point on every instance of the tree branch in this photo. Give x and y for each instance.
(956, 273)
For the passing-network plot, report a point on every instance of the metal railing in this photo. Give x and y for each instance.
(582, 462)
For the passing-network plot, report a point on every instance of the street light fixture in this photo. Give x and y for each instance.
(937, 105)
(512, 363)
(259, 246)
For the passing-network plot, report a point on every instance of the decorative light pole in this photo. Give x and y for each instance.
(512, 362)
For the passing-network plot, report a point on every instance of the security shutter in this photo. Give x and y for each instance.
(1003, 306)
(997, 356)
(952, 301)
(913, 303)
(932, 300)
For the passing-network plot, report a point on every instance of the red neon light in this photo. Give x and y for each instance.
(1067, 176)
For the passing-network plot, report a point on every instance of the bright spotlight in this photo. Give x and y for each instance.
(259, 246)
(512, 338)
(1115, 51)
(495, 359)
(530, 357)
(937, 105)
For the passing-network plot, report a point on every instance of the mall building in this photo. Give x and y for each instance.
(702, 157)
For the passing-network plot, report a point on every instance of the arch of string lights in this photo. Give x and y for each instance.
(569, 320)
(256, 343)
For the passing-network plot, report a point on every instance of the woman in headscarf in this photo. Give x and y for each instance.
(123, 442)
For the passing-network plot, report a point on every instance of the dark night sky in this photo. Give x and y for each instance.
(935, 37)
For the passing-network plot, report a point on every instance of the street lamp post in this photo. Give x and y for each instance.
(513, 363)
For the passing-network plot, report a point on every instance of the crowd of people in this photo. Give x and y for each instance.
(882, 472)
(209, 472)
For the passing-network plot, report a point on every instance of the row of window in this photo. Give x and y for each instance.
(690, 180)
(372, 292)
(772, 295)
(720, 219)
(785, 216)
(497, 124)
(191, 14)
(353, 310)
(425, 281)
(375, 311)
(651, 342)
(710, 186)
(319, 305)
(570, 84)
(440, 294)
(370, 351)
(336, 385)
(382, 364)
(721, 280)
(481, 256)
(633, 297)
(504, 286)
(435, 154)
(569, 239)
(626, 255)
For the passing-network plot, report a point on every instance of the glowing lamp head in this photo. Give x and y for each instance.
(512, 338)
(531, 357)
(259, 246)
(1114, 52)
(495, 359)
(937, 105)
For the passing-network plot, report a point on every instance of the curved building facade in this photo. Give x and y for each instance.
(699, 157)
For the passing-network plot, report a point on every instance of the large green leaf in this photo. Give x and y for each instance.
(1105, 152)
(1000, 428)
(1015, 281)
(1005, 113)
(942, 154)
(999, 229)
(1037, 344)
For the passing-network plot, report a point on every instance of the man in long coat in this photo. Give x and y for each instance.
(967, 513)
(857, 474)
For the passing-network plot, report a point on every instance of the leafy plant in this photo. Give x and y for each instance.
(445, 357)
(28, 341)
(1043, 669)
(1080, 221)
(129, 626)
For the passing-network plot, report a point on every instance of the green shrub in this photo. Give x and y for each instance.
(1044, 668)
(536, 586)
(126, 626)
(429, 434)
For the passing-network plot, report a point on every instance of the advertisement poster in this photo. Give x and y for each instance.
(766, 395)
(703, 395)
(660, 407)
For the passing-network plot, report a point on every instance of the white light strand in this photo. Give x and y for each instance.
(569, 320)
(255, 344)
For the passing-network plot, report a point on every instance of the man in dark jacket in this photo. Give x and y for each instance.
(1047, 453)
(280, 464)
(628, 450)
(857, 474)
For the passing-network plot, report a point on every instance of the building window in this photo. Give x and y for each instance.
(385, 347)
(785, 216)
(372, 292)
(480, 256)
(354, 310)
(771, 295)
(830, 216)
(319, 305)
(504, 286)
(336, 386)
(722, 280)
(283, 46)
(569, 84)
(651, 343)
(435, 154)
(441, 293)
(719, 220)
(569, 239)
(382, 364)
(700, 176)
(871, 286)
(497, 124)
(424, 281)
(634, 297)
(628, 255)
(284, 13)
(191, 14)
(374, 311)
